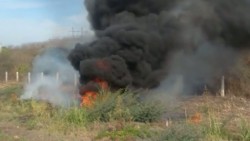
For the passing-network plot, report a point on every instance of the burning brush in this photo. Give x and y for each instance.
(100, 74)
(146, 44)
(89, 91)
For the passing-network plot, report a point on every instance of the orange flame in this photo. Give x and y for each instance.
(89, 97)
(103, 84)
(196, 118)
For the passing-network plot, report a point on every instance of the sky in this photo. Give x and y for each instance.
(27, 21)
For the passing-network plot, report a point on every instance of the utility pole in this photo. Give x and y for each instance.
(81, 31)
(72, 31)
(76, 33)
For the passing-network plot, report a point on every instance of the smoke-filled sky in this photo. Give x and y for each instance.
(151, 43)
(24, 21)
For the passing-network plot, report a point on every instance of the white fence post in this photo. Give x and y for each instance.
(42, 75)
(29, 77)
(57, 77)
(75, 80)
(17, 76)
(6, 76)
(222, 92)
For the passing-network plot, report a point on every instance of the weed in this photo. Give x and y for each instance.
(181, 132)
(119, 110)
(5, 137)
(8, 91)
(244, 133)
(123, 106)
(127, 132)
(102, 108)
(215, 129)
(75, 116)
(31, 124)
(146, 112)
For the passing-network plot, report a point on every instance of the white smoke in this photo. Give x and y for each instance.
(53, 79)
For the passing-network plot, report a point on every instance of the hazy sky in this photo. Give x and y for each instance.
(23, 21)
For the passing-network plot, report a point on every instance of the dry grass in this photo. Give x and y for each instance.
(238, 78)
(114, 117)
(220, 119)
(20, 58)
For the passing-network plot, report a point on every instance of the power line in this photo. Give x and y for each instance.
(76, 33)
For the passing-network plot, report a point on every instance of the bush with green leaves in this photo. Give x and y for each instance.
(124, 106)
(146, 111)
(181, 132)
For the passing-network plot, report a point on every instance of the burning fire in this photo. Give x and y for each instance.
(88, 97)
(196, 118)
(102, 83)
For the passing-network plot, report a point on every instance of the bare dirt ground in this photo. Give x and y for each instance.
(15, 132)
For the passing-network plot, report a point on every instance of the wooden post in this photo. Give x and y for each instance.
(6, 76)
(17, 76)
(29, 77)
(222, 92)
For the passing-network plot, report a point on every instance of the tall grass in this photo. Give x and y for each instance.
(244, 134)
(127, 132)
(123, 106)
(215, 129)
(120, 111)
(109, 106)
(181, 132)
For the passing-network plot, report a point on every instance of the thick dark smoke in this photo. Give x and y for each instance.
(142, 42)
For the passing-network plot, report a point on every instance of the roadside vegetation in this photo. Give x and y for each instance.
(19, 58)
(122, 116)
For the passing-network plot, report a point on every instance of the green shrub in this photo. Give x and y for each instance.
(215, 128)
(146, 111)
(121, 111)
(123, 106)
(23, 68)
(128, 132)
(181, 132)
(103, 107)
(6, 93)
(244, 134)
(75, 116)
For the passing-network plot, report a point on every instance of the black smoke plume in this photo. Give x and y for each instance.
(142, 42)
